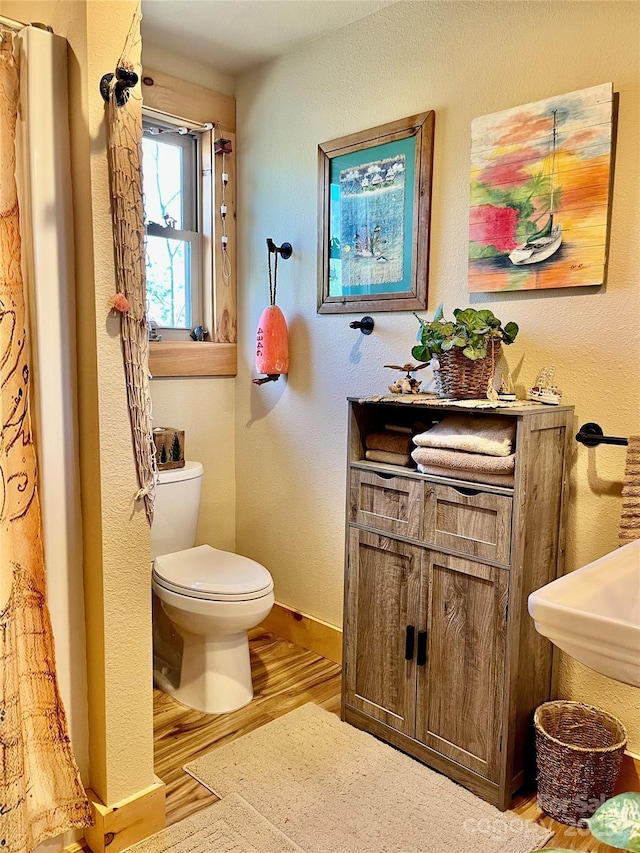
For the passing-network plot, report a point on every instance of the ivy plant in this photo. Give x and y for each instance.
(471, 330)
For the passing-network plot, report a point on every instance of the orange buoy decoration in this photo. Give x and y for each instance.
(272, 344)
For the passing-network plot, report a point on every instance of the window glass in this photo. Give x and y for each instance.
(170, 182)
(169, 282)
(163, 175)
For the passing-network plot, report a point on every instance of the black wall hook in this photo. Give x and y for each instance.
(284, 251)
(365, 325)
(126, 78)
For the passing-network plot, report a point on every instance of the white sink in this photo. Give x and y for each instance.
(593, 614)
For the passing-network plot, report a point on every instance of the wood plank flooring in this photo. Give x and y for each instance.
(285, 676)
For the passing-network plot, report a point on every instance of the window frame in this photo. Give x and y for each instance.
(183, 102)
(191, 231)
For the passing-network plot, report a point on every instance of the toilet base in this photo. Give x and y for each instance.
(215, 676)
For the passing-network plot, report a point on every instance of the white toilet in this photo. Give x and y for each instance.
(212, 598)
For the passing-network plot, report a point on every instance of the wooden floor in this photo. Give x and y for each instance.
(285, 676)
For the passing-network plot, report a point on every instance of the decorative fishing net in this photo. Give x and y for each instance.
(124, 139)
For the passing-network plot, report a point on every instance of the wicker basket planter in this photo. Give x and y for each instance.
(460, 378)
(578, 752)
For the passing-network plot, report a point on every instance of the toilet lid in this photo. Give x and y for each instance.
(206, 572)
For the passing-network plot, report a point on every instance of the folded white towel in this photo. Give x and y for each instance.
(470, 476)
(476, 434)
(459, 460)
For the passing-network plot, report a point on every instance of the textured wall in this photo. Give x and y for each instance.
(204, 407)
(463, 60)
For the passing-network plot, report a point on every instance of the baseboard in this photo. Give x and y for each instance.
(126, 822)
(305, 631)
(629, 778)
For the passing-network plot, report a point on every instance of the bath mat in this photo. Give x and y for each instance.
(230, 826)
(331, 787)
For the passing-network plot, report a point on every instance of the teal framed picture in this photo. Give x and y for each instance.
(374, 213)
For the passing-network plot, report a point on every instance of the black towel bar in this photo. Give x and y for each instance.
(591, 435)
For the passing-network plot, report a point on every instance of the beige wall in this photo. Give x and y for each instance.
(461, 59)
(204, 407)
(116, 533)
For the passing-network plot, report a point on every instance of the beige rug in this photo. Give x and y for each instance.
(230, 826)
(334, 789)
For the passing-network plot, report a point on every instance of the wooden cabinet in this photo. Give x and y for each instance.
(440, 656)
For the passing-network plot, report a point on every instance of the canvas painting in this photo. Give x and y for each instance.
(540, 193)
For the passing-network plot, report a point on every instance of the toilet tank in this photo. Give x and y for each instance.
(176, 508)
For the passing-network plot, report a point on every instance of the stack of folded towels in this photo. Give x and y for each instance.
(389, 445)
(477, 448)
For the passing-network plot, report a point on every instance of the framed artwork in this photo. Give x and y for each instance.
(541, 178)
(374, 211)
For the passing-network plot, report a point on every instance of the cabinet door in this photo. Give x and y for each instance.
(383, 583)
(460, 688)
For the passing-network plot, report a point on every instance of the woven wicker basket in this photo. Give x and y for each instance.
(460, 378)
(578, 751)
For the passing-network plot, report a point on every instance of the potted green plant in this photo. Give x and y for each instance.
(466, 349)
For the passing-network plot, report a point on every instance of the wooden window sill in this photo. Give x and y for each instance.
(191, 358)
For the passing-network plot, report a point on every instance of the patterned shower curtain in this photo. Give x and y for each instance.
(41, 794)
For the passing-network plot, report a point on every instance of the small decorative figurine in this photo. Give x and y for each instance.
(506, 391)
(407, 384)
(544, 390)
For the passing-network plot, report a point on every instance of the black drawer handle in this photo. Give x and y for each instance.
(422, 648)
(384, 476)
(409, 642)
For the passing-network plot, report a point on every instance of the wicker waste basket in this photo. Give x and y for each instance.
(578, 752)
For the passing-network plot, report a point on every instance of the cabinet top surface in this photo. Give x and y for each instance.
(427, 401)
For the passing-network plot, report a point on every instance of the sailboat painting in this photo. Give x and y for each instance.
(540, 193)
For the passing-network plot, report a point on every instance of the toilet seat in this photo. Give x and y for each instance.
(213, 575)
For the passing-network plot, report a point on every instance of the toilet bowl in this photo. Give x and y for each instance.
(211, 597)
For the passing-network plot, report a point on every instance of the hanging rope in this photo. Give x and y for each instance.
(124, 140)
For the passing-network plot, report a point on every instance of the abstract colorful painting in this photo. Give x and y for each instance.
(540, 192)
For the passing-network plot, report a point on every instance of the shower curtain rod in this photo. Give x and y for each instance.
(177, 121)
(10, 24)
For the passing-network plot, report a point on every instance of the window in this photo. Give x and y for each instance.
(171, 103)
(170, 164)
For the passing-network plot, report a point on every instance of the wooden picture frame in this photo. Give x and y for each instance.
(374, 216)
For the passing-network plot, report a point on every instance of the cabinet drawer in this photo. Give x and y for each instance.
(386, 502)
(469, 521)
